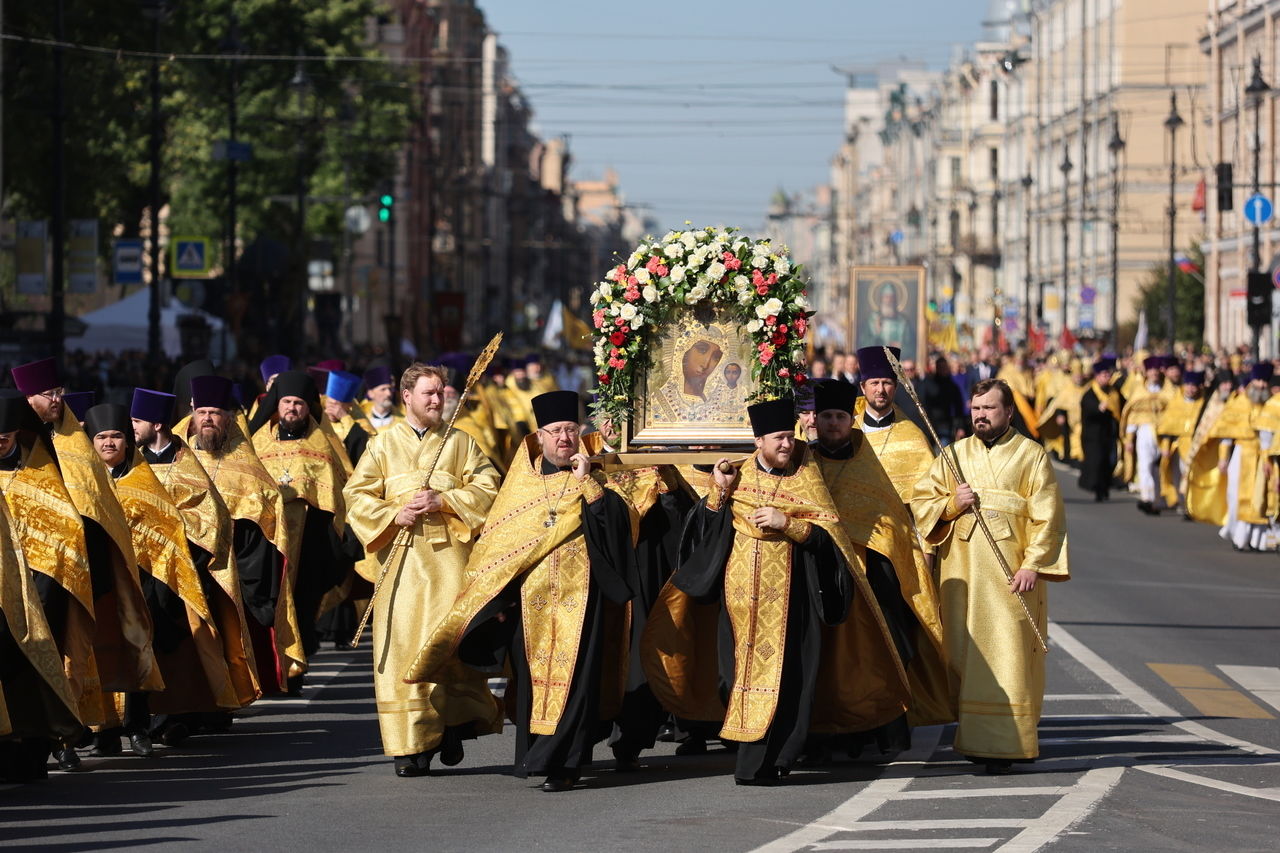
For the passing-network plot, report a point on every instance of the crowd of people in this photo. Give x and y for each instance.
(173, 559)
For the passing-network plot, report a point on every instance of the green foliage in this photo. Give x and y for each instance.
(339, 137)
(1153, 297)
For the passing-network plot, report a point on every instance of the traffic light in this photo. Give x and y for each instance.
(386, 207)
(1259, 299)
(1225, 185)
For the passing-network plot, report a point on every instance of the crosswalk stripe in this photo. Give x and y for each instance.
(1261, 681)
(905, 843)
(1208, 693)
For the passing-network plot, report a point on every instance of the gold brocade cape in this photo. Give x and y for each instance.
(991, 648)
(759, 567)
(903, 451)
(123, 649)
(250, 493)
(423, 578)
(51, 709)
(875, 519)
(208, 524)
(1145, 408)
(515, 541)
(45, 521)
(196, 677)
(1202, 482)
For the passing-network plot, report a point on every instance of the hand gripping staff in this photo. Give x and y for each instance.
(402, 537)
(953, 464)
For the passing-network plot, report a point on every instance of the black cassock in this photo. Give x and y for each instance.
(821, 594)
(1099, 431)
(487, 643)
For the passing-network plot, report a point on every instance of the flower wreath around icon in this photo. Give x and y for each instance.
(717, 266)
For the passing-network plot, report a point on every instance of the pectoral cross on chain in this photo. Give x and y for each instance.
(285, 479)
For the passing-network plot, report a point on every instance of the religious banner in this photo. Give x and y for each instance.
(887, 308)
(690, 330)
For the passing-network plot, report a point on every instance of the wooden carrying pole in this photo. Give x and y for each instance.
(401, 541)
(954, 466)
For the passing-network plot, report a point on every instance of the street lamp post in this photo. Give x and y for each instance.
(1066, 166)
(1172, 123)
(155, 10)
(1116, 146)
(301, 85)
(231, 46)
(1255, 92)
(1027, 182)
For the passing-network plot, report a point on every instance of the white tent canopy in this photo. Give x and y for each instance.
(123, 326)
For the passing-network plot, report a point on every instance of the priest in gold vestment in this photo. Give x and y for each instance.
(260, 536)
(556, 546)
(997, 663)
(1204, 480)
(385, 495)
(898, 443)
(185, 638)
(1174, 430)
(1138, 421)
(768, 547)
(883, 533)
(37, 707)
(1246, 524)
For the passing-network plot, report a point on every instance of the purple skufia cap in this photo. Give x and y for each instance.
(377, 375)
(211, 392)
(332, 364)
(35, 377)
(273, 364)
(1193, 377)
(79, 402)
(1153, 362)
(1107, 363)
(873, 364)
(154, 407)
(342, 386)
(1263, 370)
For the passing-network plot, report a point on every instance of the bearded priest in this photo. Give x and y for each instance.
(557, 544)
(769, 548)
(992, 649)
(385, 495)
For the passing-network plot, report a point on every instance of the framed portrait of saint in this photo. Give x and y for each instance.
(886, 305)
(696, 387)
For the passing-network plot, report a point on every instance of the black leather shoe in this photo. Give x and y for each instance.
(174, 734)
(999, 767)
(68, 761)
(141, 746)
(692, 746)
(451, 752)
(625, 761)
(104, 744)
(557, 784)
(408, 766)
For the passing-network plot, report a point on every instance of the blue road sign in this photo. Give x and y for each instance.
(191, 257)
(897, 237)
(126, 261)
(1257, 209)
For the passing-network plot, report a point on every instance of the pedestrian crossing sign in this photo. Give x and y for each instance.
(190, 257)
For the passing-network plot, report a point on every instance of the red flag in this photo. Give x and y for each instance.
(1197, 200)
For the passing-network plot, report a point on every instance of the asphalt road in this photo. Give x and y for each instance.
(1161, 732)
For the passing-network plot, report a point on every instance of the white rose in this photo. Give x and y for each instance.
(744, 297)
(638, 321)
(635, 260)
(677, 274)
(673, 250)
(689, 240)
(782, 266)
(642, 275)
(612, 275)
(739, 245)
(772, 307)
(760, 262)
(700, 291)
(741, 282)
(605, 292)
(628, 312)
(716, 271)
(755, 326)
(802, 303)
(650, 293)
(613, 310)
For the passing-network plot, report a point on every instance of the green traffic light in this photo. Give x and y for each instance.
(387, 200)
(384, 215)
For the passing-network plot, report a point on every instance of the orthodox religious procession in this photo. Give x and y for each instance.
(743, 536)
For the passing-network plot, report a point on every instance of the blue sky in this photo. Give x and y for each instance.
(704, 109)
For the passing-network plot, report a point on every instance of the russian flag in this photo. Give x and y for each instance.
(1185, 263)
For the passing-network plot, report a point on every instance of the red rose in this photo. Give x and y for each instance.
(784, 373)
(617, 339)
(762, 289)
(603, 377)
(772, 320)
(801, 378)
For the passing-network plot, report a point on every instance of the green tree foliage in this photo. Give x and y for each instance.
(1153, 297)
(337, 137)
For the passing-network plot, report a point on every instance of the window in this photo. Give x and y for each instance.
(994, 160)
(995, 99)
(955, 171)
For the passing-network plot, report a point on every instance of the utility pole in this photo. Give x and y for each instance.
(1027, 183)
(155, 9)
(57, 309)
(1172, 123)
(1255, 91)
(1116, 146)
(231, 46)
(1066, 166)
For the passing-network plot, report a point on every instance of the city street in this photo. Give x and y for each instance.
(1160, 733)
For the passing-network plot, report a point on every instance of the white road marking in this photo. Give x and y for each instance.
(905, 843)
(1261, 681)
(1272, 794)
(1067, 812)
(966, 793)
(1081, 697)
(921, 825)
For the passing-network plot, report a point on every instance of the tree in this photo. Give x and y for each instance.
(1153, 298)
